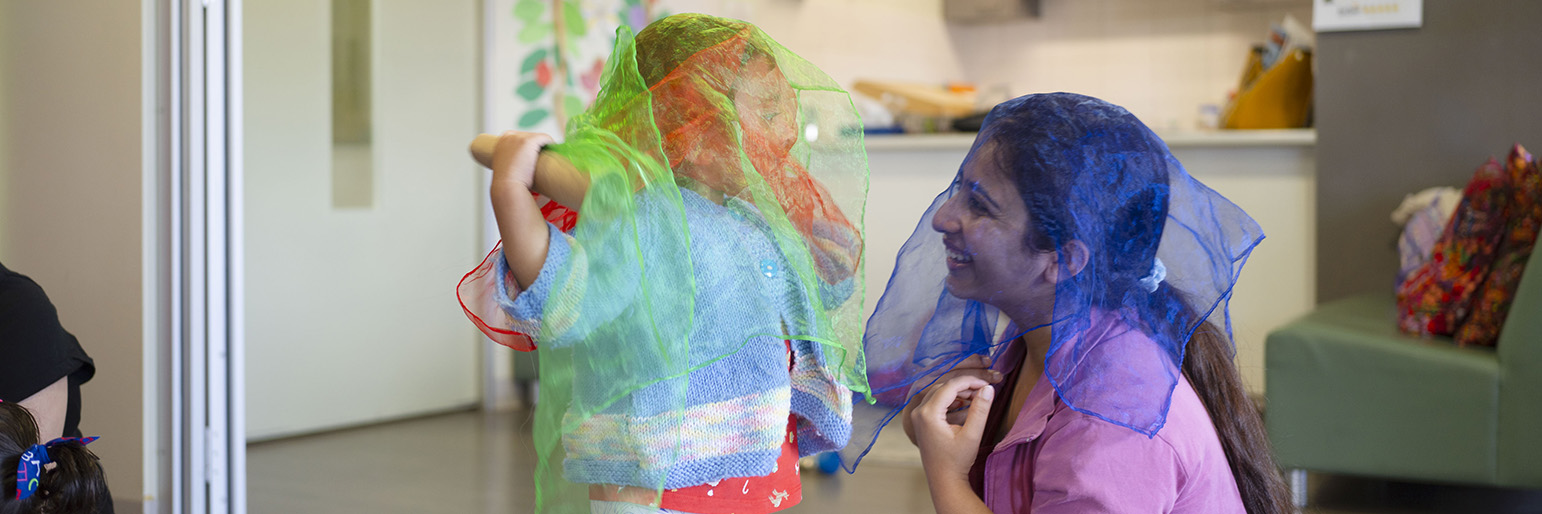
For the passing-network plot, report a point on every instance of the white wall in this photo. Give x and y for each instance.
(1161, 59)
(851, 39)
(1277, 187)
(351, 313)
(71, 113)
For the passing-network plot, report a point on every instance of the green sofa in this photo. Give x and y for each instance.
(1347, 393)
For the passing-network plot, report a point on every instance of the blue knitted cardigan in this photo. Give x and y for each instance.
(736, 410)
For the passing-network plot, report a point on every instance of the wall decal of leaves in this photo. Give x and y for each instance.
(563, 45)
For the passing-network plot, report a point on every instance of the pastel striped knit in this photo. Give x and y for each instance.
(736, 408)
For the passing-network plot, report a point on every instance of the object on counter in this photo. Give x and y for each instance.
(876, 119)
(1281, 96)
(970, 123)
(1276, 86)
(1254, 66)
(1209, 117)
(921, 99)
(921, 108)
(1283, 37)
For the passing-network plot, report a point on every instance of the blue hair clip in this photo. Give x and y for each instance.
(30, 467)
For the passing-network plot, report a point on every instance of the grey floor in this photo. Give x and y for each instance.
(471, 462)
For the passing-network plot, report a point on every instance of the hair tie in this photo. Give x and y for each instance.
(1158, 274)
(29, 468)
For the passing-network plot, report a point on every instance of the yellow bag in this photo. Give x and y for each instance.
(1280, 97)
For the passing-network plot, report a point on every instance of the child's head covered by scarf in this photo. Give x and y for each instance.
(733, 115)
(728, 103)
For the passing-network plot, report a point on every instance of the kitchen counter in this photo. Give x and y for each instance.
(1174, 139)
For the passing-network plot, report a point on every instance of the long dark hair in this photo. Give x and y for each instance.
(1090, 171)
(75, 484)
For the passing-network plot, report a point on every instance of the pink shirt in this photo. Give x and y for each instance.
(1055, 459)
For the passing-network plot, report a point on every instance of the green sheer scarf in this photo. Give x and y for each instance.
(715, 107)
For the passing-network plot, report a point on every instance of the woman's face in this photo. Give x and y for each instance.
(984, 227)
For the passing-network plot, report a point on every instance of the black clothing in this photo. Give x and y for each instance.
(35, 350)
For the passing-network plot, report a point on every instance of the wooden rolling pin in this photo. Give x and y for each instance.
(555, 177)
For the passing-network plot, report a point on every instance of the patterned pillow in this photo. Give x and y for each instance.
(1425, 216)
(1492, 302)
(1436, 298)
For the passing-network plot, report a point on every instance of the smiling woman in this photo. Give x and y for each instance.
(1073, 221)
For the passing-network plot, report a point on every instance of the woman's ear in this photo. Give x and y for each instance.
(1073, 259)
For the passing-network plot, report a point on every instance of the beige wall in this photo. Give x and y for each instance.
(70, 207)
(5, 140)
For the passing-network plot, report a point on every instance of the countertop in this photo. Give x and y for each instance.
(1174, 139)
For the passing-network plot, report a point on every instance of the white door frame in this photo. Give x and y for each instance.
(200, 84)
(498, 388)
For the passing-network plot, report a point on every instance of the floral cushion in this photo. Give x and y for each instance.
(1436, 298)
(1492, 302)
(1424, 218)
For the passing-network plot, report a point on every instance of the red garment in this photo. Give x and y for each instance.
(753, 495)
(739, 495)
(756, 495)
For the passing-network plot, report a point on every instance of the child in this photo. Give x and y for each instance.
(699, 320)
(59, 476)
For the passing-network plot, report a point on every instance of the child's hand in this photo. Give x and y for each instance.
(514, 158)
(519, 165)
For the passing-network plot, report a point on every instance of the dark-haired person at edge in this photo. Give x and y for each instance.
(42, 367)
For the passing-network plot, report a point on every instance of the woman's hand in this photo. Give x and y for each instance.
(948, 449)
(977, 366)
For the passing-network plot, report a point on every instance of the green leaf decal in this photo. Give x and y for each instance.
(531, 60)
(574, 19)
(534, 32)
(572, 105)
(529, 11)
(529, 91)
(530, 119)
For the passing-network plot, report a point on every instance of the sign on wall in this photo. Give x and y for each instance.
(1340, 15)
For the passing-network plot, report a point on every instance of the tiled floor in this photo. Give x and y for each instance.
(470, 462)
